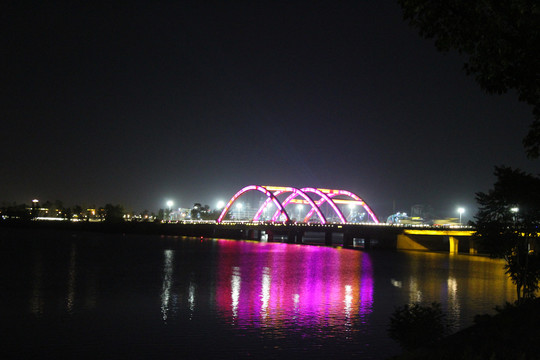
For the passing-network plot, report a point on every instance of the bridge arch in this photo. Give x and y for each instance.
(271, 196)
(350, 194)
(315, 206)
(295, 192)
(326, 195)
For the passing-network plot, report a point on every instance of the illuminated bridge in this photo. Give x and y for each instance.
(313, 205)
(331, 217)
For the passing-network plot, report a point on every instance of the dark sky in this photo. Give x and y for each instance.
(138, 102)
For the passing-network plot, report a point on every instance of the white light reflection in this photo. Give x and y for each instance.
(191, 300)
(265, 292)
(348, 307)
(236, 280)
(453, 301)
(71, 279)
(415, 295)
(167, 282)
(396, 283)
(296, 299)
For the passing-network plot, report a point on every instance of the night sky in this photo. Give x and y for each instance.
(139, 102)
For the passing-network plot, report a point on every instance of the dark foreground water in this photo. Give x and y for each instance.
(86, 295)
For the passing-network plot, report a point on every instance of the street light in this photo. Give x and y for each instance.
(299, 208)
(514, 211)
(220, 204)
(239, 208)
(460, 211)
(170, 204)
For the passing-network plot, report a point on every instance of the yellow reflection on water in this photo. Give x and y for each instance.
(446, 279)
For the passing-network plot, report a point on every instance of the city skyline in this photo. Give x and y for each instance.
(138, 104)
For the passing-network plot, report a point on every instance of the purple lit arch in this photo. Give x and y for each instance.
(326, 195)
(271, 196)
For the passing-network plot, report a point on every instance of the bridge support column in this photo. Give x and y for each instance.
(291, 237)
(270, 235)
(347, 240)
(328, 238)
(367, 243)
(454, 244)
(472, 247)
(299, 237)
(243, 234)
(251, 234)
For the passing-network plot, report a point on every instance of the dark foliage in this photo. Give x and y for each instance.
(507, 225)
(512, 333)
(114, 213)
(416, 325)
(501, 40)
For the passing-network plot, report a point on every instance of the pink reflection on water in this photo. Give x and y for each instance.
(274, 284)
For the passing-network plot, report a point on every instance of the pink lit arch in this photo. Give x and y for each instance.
(351, 195)
(281, 209)
(295, 192)
(325, 195)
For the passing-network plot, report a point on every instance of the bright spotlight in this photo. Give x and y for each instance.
(460, 211)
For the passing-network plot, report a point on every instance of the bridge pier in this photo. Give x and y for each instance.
(328, 238)
(251, 234)
(454, 244)
(299, 237)
(347, 240)
(291, 237)
(367, 243)
(473, 249)
(295, 237)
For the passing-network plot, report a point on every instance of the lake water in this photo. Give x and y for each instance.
(87, 295)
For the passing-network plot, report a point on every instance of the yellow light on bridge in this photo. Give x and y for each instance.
(439, 232)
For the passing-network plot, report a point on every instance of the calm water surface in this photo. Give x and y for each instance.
(85, 295)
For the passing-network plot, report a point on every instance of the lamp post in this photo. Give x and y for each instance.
(239, 208)
(514, 211)
(170, 204)
(460, 211)
(351, 212)
(35, 205)
(299, 209)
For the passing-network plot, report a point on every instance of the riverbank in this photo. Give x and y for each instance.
(512, 333)
(122, 227)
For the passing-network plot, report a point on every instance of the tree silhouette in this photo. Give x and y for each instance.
(501, 40)
(114, 213)
(507, 225)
